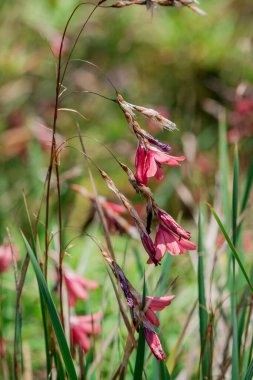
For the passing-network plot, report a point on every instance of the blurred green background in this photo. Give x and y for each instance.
(195, 68)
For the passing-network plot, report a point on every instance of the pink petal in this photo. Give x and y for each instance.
(164, 158)
(160, 244)
(153, 342)
(160, 173)
(187, 244)
(151, 164)
(140, 161)
(159, 303)
(90, 284)
(119, 209)
(86, 318)
(80, 338)
(152, 318)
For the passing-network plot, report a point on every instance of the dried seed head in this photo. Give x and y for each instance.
(155, 116)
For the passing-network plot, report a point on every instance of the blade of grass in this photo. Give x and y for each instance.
(42, 306)
(224, 168)
(249, 374)
(242, 325)
(235, 352)
(66, 356)
(231, 246)
(203, 313)
(163, 371)
(247, 187)
(139, 362)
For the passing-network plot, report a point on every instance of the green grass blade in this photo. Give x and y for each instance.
(203, 313)
(235, 196)
(139, 362)
(235, 349)
(163, 371)
(224, 169)
(247, 187)
(249, 374)
(42, 306)
(66, 356)
(232, 247)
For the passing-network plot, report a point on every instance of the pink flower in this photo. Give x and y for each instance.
(2, 347)
(153, 341)
(82, 326)
(171, 224)
(166, 240)
(156, 304)
(77, 286)
(148, 163)
(6, 256)
(114, 207)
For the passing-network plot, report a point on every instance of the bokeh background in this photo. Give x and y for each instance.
(198, 70)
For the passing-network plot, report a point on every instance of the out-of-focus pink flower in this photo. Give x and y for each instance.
(148, 163)
(167, 240)
(241, 119)
(55, 43)
(244, 105)
(118, 209)
(44, 135)
(82, 326)
(6, 256)
(2, 347)
(248, 242)
(77, 286)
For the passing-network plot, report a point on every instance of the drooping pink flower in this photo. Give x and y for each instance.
(167, 240)
(77, 286)
(6, 256)
(82, 327)
(148, 163)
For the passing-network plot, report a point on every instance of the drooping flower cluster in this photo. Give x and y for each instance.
(150, 156)
(170, 236)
